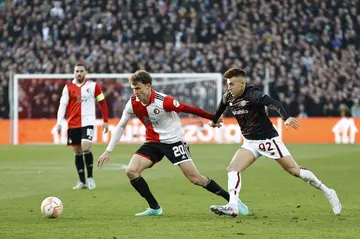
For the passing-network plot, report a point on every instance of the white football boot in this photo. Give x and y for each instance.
(335, 202)
(91, 183)
(80, 185)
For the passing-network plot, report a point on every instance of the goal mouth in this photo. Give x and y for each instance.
(35, 99)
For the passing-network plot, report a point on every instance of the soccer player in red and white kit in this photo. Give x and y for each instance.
(164, 137)
(78, 102)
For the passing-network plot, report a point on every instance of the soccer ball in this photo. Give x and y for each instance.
(51, 207)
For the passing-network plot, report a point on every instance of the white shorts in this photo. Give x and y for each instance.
(271, 148)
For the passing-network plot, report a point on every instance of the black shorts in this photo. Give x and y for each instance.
(75, 135)
(177, 152)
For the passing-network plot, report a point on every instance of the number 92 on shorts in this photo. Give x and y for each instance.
(272, 148)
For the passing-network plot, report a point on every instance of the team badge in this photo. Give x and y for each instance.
(156, 111)
(243, 102)
(88, 90)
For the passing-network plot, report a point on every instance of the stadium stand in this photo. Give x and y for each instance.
(311, 48)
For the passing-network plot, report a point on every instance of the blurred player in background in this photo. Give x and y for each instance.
(78, 102)
(247, 104)
(164, 137)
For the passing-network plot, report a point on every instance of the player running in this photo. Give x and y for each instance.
(164, 137)
(78, 102)
(247, 104)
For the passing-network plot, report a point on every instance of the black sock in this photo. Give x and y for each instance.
(89, 160)
(142, 188)
(79, 162)
(215, 188)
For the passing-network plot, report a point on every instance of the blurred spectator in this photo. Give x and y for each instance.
(302, 113)
(309, 48)
(355, 109)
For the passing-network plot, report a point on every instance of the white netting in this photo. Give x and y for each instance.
(37, 96)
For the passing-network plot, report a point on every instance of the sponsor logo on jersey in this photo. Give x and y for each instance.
(240, 112)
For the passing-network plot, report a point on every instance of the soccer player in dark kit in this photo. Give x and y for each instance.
(247, 104)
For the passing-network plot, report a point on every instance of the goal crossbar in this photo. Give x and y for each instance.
(174, 78)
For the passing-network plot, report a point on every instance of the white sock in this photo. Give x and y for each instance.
(234, 186)
(310, 178)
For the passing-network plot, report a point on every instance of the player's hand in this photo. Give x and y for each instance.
(105, 128)
(103, 158)
(292, 122)
(58, 128)
(220, 121)
(217, 125)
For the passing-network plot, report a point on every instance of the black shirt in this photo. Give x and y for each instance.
(249, 111)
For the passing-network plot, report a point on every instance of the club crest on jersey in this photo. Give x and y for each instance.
(88, 90)
(243, 102)
(156, 111)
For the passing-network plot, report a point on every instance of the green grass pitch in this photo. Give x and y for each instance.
(281, 206)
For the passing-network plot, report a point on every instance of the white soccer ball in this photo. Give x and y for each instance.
(51, 207)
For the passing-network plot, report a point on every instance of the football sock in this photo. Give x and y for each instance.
(89, 159)
(310, 178)
(215, 188)
(143, 189)
(79, 162)
(234, 186)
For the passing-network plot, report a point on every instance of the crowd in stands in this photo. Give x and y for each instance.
(306, 51)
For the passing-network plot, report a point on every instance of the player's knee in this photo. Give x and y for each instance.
(77, 149)
(197, 180)
(294, 171)
(131, 173)
(232, 167)
(85, 146)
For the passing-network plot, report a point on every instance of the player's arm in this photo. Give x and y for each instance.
(64, 100)
(220, 110)
(277, 106)
(116, 135)
(274, 105)
(170, 104)
(99, 96)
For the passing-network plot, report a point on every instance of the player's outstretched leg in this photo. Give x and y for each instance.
(190, 171)
(241, 160)
(289, 164)
(136, 166)
(80, 167)
(89, 160)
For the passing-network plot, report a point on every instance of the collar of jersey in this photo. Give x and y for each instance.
(74, 82)
(152, 99)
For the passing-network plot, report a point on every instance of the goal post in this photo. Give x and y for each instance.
(23, 85)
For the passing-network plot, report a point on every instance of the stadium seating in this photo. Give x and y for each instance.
(310, 47)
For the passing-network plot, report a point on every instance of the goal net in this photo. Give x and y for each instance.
(35, 100)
